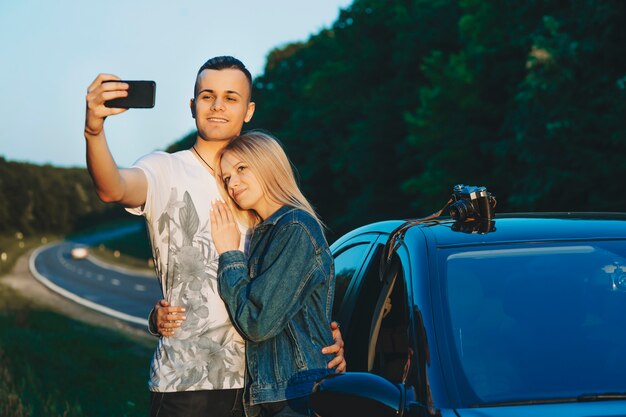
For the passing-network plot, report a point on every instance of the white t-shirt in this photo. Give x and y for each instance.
(206, 352)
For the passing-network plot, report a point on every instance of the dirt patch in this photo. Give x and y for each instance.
(22, 281)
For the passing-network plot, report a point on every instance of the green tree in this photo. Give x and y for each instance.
(565, 136)
(338, 102)
(37, 198)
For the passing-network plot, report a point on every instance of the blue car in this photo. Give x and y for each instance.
(518, 315)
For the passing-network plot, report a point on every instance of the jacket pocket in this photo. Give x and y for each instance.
(297, 351)
(287, 356)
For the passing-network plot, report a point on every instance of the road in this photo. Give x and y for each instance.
(114, 291)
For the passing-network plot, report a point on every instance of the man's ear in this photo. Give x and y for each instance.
(249, 112)
(192, 106)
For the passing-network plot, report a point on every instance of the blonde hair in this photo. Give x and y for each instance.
(266, 158)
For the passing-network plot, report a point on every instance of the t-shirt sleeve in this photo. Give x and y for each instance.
(157, 168)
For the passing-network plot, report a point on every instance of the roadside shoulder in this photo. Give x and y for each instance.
(21, 280)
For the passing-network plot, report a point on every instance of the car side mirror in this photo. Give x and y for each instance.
(356, 394)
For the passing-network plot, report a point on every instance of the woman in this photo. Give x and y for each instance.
(279, 294)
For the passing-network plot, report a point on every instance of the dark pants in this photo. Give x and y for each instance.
(206, 403)
(296, 407)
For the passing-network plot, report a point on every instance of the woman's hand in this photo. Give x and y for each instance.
(224, 228)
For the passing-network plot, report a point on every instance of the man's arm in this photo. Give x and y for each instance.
(128, 187)
(165, 319)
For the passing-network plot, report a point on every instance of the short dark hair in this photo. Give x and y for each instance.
(224, 62)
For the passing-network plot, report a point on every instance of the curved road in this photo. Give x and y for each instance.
(111, 290)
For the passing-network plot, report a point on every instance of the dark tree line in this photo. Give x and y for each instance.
(47, 199)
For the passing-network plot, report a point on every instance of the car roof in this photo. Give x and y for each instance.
(513, 227)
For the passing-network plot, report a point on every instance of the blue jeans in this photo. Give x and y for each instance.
(205, 403)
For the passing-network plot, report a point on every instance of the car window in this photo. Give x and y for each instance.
(347, 263)
(368, 286)
(537, 322)
(389, 342)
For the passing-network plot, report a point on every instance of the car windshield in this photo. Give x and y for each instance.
(536, 322)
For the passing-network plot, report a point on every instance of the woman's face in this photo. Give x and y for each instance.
(244, 187)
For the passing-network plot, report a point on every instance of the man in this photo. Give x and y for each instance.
(199, 371)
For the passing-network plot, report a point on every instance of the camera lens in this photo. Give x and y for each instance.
(460, 209)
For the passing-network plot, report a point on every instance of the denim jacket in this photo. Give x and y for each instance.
(280, 298)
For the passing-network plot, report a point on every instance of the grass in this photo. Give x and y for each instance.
(120, 258)
(51, 365)
(12, 246)
(133, 245)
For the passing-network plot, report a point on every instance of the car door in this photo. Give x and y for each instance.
(383, 327)
(364, 305)
(381, 333)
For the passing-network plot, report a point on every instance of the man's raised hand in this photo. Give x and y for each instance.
(97, 93)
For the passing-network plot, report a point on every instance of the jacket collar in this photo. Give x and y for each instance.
(277, 215)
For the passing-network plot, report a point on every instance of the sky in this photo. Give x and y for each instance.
(52, 50)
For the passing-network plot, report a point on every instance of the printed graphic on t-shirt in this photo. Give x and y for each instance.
(206, 352)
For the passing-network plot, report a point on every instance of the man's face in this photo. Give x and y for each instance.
(222, 104)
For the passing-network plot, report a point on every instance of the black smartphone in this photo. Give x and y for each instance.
(140, 95)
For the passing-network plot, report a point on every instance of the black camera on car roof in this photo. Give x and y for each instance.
(471, 202)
